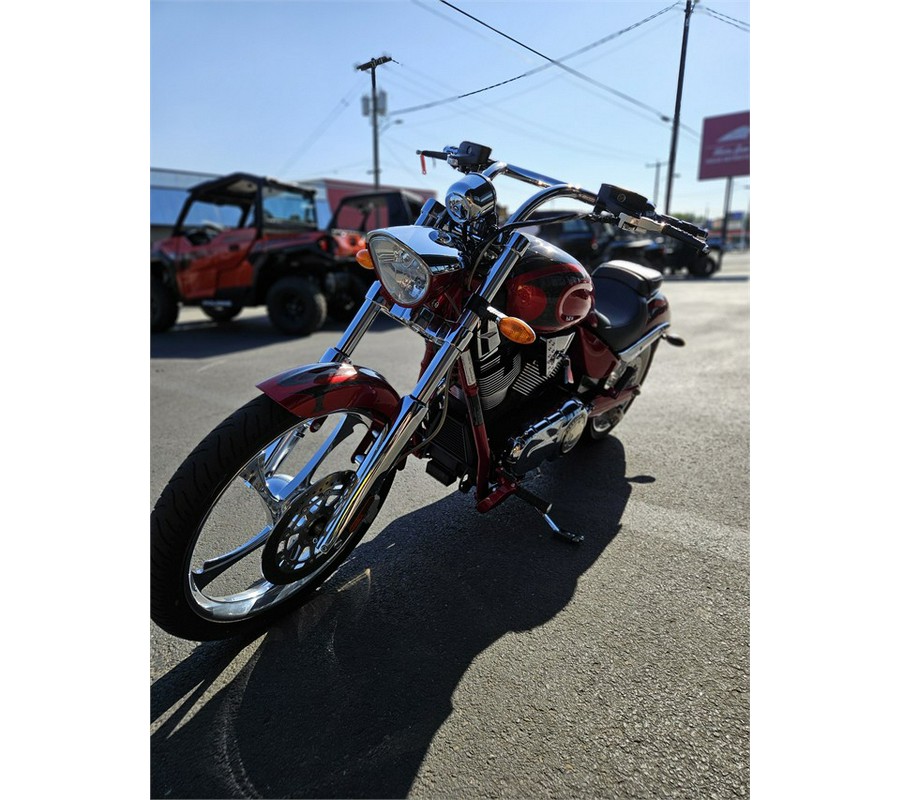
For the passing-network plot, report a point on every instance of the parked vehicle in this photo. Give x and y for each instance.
(527, 356)
(678, 256)
(245, 240)
(575, 235)
(592, 243)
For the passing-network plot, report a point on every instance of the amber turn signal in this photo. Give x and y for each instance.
(364, 259)
(516, 330)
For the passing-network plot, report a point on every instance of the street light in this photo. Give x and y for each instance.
(388, 124)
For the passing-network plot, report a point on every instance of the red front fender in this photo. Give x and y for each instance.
(317, 389)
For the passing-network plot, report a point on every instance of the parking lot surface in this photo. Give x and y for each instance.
(467, 655)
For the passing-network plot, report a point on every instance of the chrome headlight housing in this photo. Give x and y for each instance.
(411, 260)
(402, 272)
(470, 198)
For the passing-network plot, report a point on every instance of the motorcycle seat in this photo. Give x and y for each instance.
(621, 294)
(644, 280)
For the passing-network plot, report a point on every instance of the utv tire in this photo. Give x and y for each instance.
(342, 307)
(163, 306)
(223, 314)
(296, 306)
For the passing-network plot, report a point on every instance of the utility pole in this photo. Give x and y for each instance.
(688, 8)
(656, 164)
(376, 109)
(725, 214)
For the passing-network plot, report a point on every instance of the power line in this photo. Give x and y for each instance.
(657, 114)
(558, 63)
(736, 23)
(318, 131)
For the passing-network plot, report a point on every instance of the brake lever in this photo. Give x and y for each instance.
(443, 155)
(645, 224)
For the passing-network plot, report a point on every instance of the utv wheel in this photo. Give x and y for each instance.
(223, 314)
(163, 306)
(703, 267)
(343, 305)
(296, 306)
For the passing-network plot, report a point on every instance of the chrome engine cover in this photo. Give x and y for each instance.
(546, 438)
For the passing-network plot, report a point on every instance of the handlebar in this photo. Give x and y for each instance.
(630, 210)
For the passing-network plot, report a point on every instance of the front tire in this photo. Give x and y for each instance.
(238, 504)
(296, 306)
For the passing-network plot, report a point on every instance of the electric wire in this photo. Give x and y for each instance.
(558, 63)
(736, 23)
(491, 113)
(657, 115)
(330, 118)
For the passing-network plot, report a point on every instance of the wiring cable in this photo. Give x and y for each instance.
(558, 63)
(736, 23)
(330, 118)
(658, 115)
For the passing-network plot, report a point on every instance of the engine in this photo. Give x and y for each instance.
(529, 412)
(546, 438)
(509, 372)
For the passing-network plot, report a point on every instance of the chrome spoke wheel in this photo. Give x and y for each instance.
(288, 489)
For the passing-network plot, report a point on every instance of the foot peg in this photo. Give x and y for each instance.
(544, 508)
(672, 339)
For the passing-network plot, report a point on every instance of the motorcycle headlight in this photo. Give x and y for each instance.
(402, 272)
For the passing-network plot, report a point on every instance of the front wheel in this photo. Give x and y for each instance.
(234, 534)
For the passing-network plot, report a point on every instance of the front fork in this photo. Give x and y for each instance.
(452, 343)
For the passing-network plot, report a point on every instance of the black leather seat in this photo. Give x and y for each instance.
(621, 291)
(644, 280)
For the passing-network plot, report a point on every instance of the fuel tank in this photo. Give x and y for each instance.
(549, 289)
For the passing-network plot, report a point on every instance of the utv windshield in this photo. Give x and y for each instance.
(284, 209)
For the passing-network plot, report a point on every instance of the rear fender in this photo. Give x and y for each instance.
(326, 388)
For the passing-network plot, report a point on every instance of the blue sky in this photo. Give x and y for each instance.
(272, 87)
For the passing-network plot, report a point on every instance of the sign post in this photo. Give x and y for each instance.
(725, 153)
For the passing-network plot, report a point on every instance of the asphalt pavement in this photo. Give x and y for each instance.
(473, 656)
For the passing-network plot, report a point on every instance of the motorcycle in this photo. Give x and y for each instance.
(527, 354)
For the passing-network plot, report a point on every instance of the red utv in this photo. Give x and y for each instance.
(244, 240)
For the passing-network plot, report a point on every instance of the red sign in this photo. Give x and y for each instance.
(725, 149)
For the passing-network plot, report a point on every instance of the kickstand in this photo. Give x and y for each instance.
(543, 508)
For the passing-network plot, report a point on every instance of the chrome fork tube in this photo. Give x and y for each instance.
(365, 316)
(391, 443)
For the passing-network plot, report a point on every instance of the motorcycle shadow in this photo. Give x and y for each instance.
(343, 697)
(208, 339)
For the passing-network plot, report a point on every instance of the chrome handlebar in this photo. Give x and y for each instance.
(628, 210)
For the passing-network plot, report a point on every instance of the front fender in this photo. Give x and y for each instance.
(325, 388)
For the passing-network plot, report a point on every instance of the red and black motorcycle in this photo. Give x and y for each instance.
(526, 355)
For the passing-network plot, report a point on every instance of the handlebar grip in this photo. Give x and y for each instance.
(433, 154)
(686, 227)
(683, 236)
